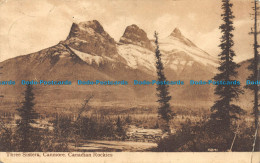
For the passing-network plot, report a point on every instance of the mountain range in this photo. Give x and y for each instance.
(90, 53)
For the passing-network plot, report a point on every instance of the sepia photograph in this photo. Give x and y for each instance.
(129, 81)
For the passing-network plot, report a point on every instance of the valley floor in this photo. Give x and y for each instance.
(112, 146)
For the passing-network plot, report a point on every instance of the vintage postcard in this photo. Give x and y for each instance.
(129, 81)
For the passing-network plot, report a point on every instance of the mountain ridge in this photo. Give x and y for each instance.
(90, 53)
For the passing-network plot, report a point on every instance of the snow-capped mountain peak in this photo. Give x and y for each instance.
(94, 25)
(178, 52)
(177, 35)
(176, 43)
(90, 53)
(136, 36)
(91, 38)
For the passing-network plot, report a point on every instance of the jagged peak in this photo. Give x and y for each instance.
(87, 26)
(133, 26)
(136, 36)
(90, 37)
(176, 33)
(94, 24)
(134, 30)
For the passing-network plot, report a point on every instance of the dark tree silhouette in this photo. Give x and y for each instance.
(6, 137)
(254, 68)
(27, 135)
(165, 113)
(254, 65)
(223, 111)
(119, 128)
(76, 127)
(1, 74)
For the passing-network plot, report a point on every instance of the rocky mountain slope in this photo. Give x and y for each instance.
(180, 55)
(90, 53)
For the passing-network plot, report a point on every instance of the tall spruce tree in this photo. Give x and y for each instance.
(224, 111)
(165, 113)
(1, 74)
(28, 136)
(254, 65)
(119, 128)
(254, 68)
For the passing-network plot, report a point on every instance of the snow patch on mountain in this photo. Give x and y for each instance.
(172, 45)
(141, 58)
(136, 36)
(88, 30)
(89, 37)
(176, 33)
(88, 58)
(137, 56)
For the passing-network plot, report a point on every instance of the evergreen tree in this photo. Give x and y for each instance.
(164, 111)
(119, 128)
(0, 74)
(128, 119)
(254, 65)
(223, 111)
(28, 137)
(6, 137)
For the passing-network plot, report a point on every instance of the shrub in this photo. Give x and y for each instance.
(202, 137)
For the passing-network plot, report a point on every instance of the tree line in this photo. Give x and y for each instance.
(218, 133)
(224, 113)
(27, 136)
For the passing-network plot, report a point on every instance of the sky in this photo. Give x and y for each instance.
(27, 26)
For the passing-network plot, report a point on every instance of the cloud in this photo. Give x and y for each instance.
(29, 25)
(209, 41)
(244, 42)
(165, 24)
(117, 27)
(192, 16)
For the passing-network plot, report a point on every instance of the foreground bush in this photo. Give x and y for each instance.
(203, 137)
